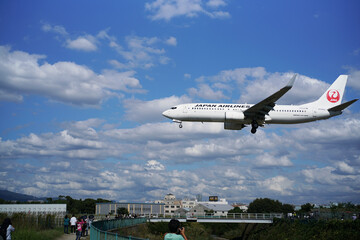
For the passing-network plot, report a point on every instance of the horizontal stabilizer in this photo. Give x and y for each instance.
(342, 106)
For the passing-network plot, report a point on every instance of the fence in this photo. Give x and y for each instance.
(252, 216)
(99, 230)
(33, 221)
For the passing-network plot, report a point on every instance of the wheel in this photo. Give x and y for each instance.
(180, 125)
(253, 130)
(254, 124)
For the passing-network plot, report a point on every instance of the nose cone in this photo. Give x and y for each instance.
(166, 114)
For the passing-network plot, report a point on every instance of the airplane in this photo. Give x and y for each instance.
(237, 116)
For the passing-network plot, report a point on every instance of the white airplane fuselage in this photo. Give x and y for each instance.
(281, 114)
(237, 116)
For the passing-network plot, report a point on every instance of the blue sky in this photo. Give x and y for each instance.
(83, 85)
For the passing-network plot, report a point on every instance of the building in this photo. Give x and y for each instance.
(244, 207)
(204, 209)
(188, 203)
(140, 209)
(218, 209)
(199, 210)
(171, 204)
(59, 209)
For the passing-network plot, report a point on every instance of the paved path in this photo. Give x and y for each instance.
(71, 237)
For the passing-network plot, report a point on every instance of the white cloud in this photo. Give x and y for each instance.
(168, 9)
(68, 82)
(354, 78)
(216, 3)
(140, 160)
(149, 111)
(154, 165)
(280, 184)
(204, 91)
(84, 43)
(171, 41)
(254, 84)
(324, 176)
(55, 29)
(229, 157)
(137, 52)
(267, 160)
(343, 167)
(142, 52)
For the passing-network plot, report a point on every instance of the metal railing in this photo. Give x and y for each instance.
(100, 230)
(252, 216)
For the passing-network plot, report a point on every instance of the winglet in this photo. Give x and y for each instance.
(291, 82)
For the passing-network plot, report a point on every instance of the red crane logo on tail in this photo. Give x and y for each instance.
(333, 95)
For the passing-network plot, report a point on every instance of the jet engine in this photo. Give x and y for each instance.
(234, 116)
(233, 126)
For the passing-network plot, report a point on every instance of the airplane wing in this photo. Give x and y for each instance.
(259, 110)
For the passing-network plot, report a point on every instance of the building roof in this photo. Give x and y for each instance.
(130, 203)
(217, 207)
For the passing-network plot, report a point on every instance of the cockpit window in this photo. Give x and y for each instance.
(173, 108)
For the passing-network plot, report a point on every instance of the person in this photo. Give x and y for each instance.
(9, 228)
(66, 224)
(78, 229)
(83, 226)
(87, 224)
(176, 231)
(73, 224)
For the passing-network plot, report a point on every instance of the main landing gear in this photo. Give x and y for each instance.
(180, 125)
(254, 126)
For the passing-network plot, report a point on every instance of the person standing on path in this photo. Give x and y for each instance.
(73, 224)
(79, 228)
(66, 224)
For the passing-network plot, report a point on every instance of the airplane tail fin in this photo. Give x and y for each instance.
(333, 95)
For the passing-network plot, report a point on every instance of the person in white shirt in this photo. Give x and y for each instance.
(73, 221)
(9, 228)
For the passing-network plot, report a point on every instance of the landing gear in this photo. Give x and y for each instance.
(179, 122)
(254, 126)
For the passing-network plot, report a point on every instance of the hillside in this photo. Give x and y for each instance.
(13, 196)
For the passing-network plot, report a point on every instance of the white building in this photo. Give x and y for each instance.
(171, 204)
(188, 203)
(205, 209)
(242, 206)
(34, 208)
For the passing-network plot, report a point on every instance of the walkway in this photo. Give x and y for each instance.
(71, 237)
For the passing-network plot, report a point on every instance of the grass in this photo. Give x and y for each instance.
(33, 227)
(32, 234)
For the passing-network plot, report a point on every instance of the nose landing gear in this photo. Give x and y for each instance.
(179, 122)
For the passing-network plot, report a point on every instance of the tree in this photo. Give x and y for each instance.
(122, 211)
(306, 207)
(236, 210)
(264, 205)
(287, 208)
